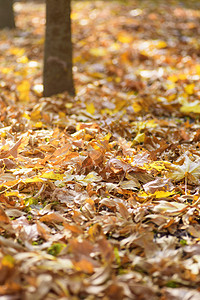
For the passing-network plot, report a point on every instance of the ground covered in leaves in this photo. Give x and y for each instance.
(100, 194)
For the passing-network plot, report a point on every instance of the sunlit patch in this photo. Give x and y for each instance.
(38, 89)
(33, 64)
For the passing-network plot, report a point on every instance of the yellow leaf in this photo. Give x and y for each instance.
(95, 231)
(98, 51)
(151, 124)
(157, 194)
(139, 138)
(90, 108)
(14, 193)
(119, 105)
(170, 86)
(38, 125)
(125, 38)
(32, 180)
(8, 261)
(107, 136)
(78, 58)
(21, 72)
(193, 107)
(117, 79)
(40, 41)
(23, 60)
(4, 131)
(62, 114)
(157, 165)
(68, 105)
(137, 107)
(6, 70)
(182, 76)
(35, 115)
(162, 194)
(114, 47)
(197, 69)
(161, 44)
(23, 90)
(171, 97)
(92, 177)
(107, 111)
(189, 88)
(96, 75)
(17, 51)
(75, 16)
(26, 116)
(173, 78)
(52, 175)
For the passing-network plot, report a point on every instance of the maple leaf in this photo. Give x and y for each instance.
(189, 169)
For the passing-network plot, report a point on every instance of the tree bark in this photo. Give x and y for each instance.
(6, 14)
(57, 74)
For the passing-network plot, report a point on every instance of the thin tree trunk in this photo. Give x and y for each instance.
(57, 75)
(6, 14)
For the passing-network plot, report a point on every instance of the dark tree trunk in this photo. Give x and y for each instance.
(6, 14)
(57, 75)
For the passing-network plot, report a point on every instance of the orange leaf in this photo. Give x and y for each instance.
(3, 217)
(52, 218)
(84, 266)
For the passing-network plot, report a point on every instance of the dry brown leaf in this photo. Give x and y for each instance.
(52, 217)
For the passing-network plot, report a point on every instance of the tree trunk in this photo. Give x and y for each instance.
(6, 14)
(57, 74)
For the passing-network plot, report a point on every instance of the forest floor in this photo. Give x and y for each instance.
(100, 194)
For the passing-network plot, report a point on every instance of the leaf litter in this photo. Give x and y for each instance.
(99, 195)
